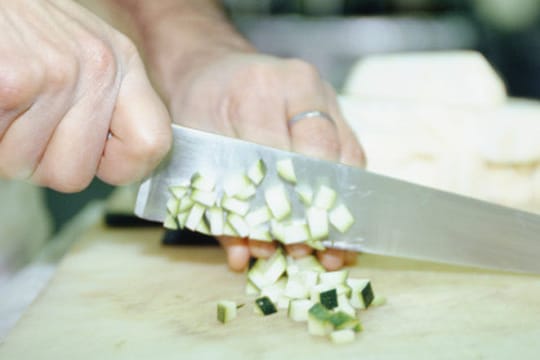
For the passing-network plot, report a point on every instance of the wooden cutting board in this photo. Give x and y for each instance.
(120, 294)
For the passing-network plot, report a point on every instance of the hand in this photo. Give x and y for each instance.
(67, 80)
(252, 97)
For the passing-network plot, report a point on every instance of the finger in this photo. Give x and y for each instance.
(258, 115)
(314, 136)
(140, 128)
(19, 157)
(237, 252)
(298, 250)
(332, 259)
(261, 249)
(352, 152)
(74, 150)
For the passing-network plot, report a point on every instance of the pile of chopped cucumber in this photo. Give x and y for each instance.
(327, 301)
(200, 205)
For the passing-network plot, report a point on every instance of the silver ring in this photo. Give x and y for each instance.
(310, 114)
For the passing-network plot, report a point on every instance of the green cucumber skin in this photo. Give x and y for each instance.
(266, 306)
(329, 299)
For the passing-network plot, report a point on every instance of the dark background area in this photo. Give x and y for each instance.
(507, 32)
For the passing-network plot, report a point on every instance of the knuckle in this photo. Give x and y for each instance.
(151, 146)
(19, 84)
(304, 69)
(99, 59)
(62, 72)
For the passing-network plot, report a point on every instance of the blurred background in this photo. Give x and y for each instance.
(335, 34)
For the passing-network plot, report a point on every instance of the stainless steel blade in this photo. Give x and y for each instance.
(392, 217)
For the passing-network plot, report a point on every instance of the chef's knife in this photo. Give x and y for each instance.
(392, 217)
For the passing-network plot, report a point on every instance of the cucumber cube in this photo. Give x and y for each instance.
(203, 182)
(317, 220)
(298, 309)
(236, 206)
(305, 193)
(238, 224)
(341, 218)
(278, 201)
(170, 222)
(226, 311)
(325, 197)
(257, 172)
(172, 206)
(265, 306)
(285, 169)
(215, 218)
(342, 336)
(195, 217)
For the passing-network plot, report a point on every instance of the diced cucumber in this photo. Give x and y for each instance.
(334, 277)
(179, 191)
(285, 169)
(316, 244)
(298, 309)
(295, 288)
(266, 272)
(185, 204)
(240, 207)
(170, 222)
(275, 266)
(300, 283)
(305, 193)
(195, 216)
(257, 172)
(283, 302)
(277, 230)
(182, 218)
(258, 216)
(361, 293)
(247, 193)
(278, 201)
(294, 232)
(341, 218)
(265, 306)
(342, 336)
(275, 290)
(215, 218)
(317, 220)
(260, 233)
(239, 225)
(319, 320)
(234, 184)
(345, 306)
(309, 262)
(340, 320)
(203, 182)
(228, 230)
(328, 298)
(206, 198)
(172, 206)
(203, 228)
(256, 276)
(226, 311)
(325, 197)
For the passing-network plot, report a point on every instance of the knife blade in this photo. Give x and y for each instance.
(392, 217)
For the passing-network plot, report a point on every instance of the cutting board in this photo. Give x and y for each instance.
(121, 294)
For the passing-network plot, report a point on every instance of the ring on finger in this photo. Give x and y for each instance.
(308, 115)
